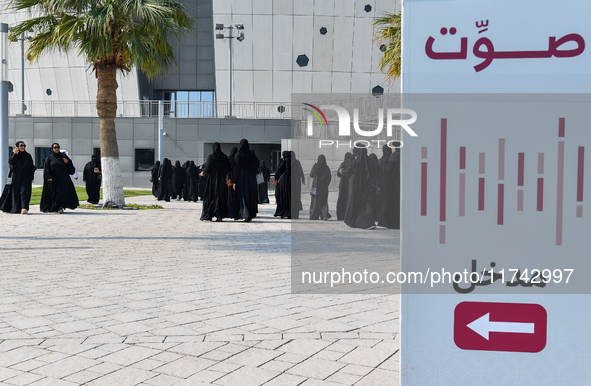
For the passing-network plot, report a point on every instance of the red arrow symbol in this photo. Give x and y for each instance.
(516, 327)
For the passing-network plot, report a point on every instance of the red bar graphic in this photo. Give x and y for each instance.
(481, 193)
(579, 210)
(462, 194)
(501, 158)
(423, 188)
(441, 234)
(520, 167)
(580, 174)
(501, 204)
(424, 152)
(481, 163)
(520, 200)
(462, 157)
(540, 163)
(540, 194)
(561, 127)
(443, 163)
(559, 192)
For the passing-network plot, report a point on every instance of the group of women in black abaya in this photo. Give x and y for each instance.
(369, 190)
(231, 189)
(177, 181)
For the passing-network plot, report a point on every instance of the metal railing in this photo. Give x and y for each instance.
(149, 108)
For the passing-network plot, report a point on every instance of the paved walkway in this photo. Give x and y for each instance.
(157, 297)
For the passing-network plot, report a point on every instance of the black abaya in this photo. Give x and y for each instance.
(177, 181)
(233, 202)
(244, 179)
(215, 201)
(165, 178)
(17, 196)
(343, 187)
(298, 178)
(154, 179)
(192, 182)
(319, 201)
(389, 216)
(283, 191)
(92, 180)
(60, 192)
(361, 196)
(264, 187)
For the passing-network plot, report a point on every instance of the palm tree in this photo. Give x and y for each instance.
(111, 35)
(389, 33)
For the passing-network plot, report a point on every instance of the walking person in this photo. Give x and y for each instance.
(319, 192)
(154, 179)
(177, 181)
(233, 203)
(389, 215)
(165, 180)
(16, 196)
(58, 190)
(75, 174)
(215, 201)
(92, 177)
(244, 181)
(361, 198)
(264, 186)
(343, 187)
(283, 190)
(192, 184)
(297, 175)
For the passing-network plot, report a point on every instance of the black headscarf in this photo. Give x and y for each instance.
(96, 163)
(322, 169)
(218, 160)
(59, 154)
(286, 154)
(386, 153)
(245, 159)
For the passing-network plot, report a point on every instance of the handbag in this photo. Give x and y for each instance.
(9, 179)
(313, 192)
(260, 178)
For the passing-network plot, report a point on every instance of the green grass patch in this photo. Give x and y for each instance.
(82, 196)
(136, 206)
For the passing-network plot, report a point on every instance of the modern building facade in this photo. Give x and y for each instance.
(289, 46)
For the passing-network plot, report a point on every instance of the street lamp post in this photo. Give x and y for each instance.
(219, 28)
(22, 40)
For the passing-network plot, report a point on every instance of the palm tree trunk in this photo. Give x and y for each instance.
(106, 105)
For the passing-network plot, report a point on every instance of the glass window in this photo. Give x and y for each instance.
(144, 159)
(41, 153)
(193, 104)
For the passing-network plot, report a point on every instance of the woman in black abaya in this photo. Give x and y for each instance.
(343, 187)
(283, 188)
(244, 181)
(192, 182)
(16, 197)
(319, 200)
(215, 201)
(178, 179)
(264, 187)
(233, 203)
(389, 216)
(154, 179)
(297, 175)
(361, 198)
(92, 178)
(58, 190)
(165, 179)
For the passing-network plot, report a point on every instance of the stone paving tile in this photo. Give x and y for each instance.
(160, 312)
(24, 379)
(316, 368)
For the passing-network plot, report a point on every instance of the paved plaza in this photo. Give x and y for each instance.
(157, 297)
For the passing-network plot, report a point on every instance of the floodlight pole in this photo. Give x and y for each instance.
(22, 39)
(160, 128)
(3, 104)
(230, 42)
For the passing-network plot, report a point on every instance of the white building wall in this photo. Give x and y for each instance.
(67, 76)
(343, 60)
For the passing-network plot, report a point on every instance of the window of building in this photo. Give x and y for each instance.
(190, 104)
(144, 159)
(275, 159)
(41, 153)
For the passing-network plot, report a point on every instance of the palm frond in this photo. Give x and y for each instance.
(389, 32)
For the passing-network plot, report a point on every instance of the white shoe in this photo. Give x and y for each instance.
(61, 211)
(24, 211)
(372, 227)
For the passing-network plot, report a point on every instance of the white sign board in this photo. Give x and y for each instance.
(494, 185)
